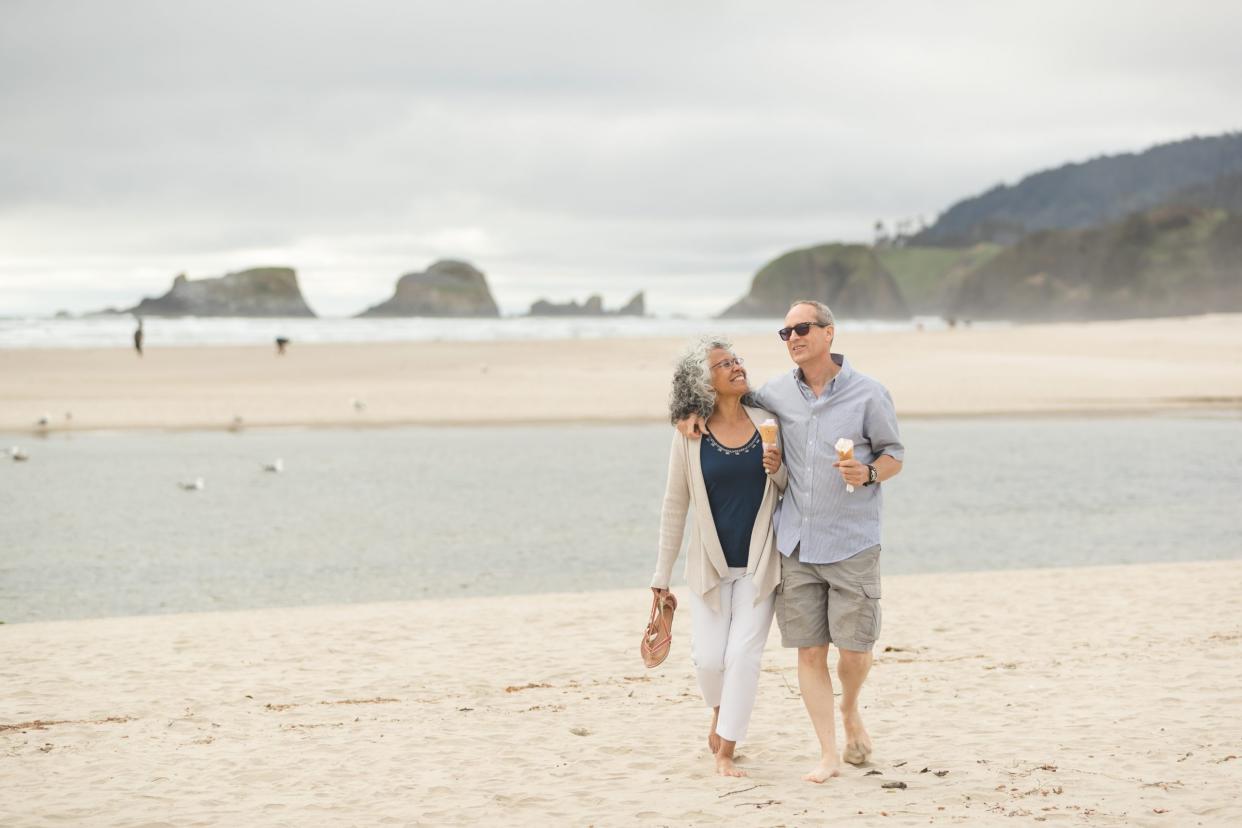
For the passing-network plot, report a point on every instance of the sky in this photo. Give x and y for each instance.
(564, 148)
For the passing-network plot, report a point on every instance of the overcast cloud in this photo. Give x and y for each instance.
(563, 147)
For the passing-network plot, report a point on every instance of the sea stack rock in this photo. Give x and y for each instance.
(594, 306)
(637, 306)
(847, 277)
(447, 288)
(263, 291)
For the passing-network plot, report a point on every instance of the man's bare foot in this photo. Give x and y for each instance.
(857, 742)
(725, 766)
(713, 741)
(825, 770)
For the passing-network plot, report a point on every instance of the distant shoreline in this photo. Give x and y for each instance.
(1062, 369)
(182, 332)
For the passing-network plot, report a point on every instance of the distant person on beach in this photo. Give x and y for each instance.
(138, 337)
(732, 483)
(281, 342)
(828, 536)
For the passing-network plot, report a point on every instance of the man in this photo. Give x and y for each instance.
(829, 538)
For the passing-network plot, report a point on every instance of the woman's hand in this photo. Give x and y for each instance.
(693, 426)
(771, 459)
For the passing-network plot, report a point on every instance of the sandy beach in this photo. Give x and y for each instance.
(1085, 696)
(1104, 696)
(1099, 367)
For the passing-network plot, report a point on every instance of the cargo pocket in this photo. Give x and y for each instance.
(869, 613)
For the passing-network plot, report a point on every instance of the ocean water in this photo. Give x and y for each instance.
(94, 524)
(117, 332)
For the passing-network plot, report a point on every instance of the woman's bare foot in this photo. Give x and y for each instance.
(713, 741)
(857, 742)
(724, 760)
(825, 770)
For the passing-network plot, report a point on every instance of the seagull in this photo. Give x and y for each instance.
(359, 405)
(18, 455)
(195, 485)
(43, 421)
(236, 424)
(68, 416)
(276, 465)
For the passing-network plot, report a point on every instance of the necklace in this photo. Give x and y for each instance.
(750, 444)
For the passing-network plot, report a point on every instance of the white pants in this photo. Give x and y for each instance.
(726, 648)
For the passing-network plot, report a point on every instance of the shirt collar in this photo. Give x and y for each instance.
(839, 381)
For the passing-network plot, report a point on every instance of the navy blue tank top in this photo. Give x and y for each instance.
(735, 481)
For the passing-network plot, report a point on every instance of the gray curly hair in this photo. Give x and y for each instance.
(692, 391)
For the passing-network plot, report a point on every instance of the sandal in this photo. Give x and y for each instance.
(658, 637)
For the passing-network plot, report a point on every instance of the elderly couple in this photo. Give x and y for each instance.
(776, 529)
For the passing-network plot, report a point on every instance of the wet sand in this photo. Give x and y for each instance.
(1101, 367)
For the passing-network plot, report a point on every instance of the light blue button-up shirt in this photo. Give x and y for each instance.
(817, 513)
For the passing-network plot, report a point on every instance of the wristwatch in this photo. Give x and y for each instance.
(873, 475)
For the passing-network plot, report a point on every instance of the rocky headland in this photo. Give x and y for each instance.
(849, 278)
(1171, 261)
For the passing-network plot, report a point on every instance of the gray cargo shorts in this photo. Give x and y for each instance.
(837, 603)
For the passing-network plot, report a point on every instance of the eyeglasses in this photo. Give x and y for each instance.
(801, 329)
(729, 363)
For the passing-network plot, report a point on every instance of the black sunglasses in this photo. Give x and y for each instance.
(802, 329)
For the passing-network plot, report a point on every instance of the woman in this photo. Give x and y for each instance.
(732, 483)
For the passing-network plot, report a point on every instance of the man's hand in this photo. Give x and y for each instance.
(771, 459)
(693, 426)
(853, 472)
(659, 592)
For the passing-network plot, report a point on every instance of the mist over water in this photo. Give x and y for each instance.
(116, 332)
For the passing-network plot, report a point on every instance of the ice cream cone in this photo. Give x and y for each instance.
(767, 433)
(845, 451)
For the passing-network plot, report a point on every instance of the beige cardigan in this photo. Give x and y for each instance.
(705, 560)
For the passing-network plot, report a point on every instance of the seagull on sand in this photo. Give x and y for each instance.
(43, 421)
(195, 485)
(359, 405)
(236, 425)
(18, 455)
(276, 465)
